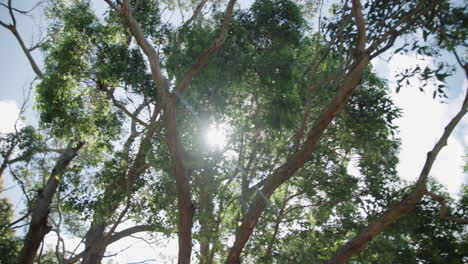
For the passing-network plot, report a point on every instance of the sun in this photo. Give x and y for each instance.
(215, 136)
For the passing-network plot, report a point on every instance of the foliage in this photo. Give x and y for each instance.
(269, 86)
(9, 244)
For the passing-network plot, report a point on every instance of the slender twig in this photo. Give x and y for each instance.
(463, 65)
(195, 13)
(16, 221)
(20, 182)
(10, 9)
(12, 29)
(23, 12)
(119, 105)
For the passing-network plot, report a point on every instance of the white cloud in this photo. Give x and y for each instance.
(422, 124)
(9, 114)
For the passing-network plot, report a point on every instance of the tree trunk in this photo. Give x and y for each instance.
(206, 218)
(95, 236)
(38, 227)
(94, 244)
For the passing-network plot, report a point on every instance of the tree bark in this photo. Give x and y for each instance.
(38, 227)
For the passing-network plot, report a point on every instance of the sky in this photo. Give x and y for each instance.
(420, 126)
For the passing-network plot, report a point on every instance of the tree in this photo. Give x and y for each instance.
(131, 98)
(8, 243)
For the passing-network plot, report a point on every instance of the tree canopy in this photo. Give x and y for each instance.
(234, 130)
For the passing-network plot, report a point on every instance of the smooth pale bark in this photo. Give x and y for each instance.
(38, 226)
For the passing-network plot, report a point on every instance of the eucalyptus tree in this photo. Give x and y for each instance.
(133, 96)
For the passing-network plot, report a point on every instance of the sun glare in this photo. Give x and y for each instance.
(216, 136)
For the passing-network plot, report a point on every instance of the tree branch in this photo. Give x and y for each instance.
(195, 13)
(299, 158)
(38, 227)
(444, 211)
(22, 11)
(13, 30)
(215, 46)
(114, 238)
(110, 94)
(391, 35)
(407, 204)
(153, 56)
(463, 65)
(361, 26)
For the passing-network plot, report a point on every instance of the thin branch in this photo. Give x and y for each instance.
(73, 253)
(20, 182)
(39, 258)
(118, 252)
(214, 47)
(133, 131)
(10, 9)
(444, 211)
(305, 120)
(17, 221)
(181, 12)
(112, 5)
(37, 45)
(23, 12)
(60, 257)
(312, 73)
(119, 105)
(195, 13)
(391, 35)
(464, 66)
(12, 29)
(138, 167)
(25, 102)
